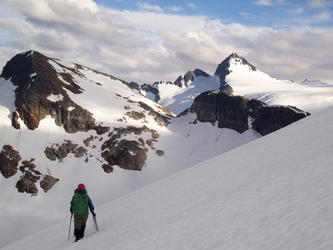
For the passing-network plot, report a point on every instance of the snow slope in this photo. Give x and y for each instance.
(178, 98)
(272, 193)
(310, 96)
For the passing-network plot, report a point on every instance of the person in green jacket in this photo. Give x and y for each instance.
(79, 207)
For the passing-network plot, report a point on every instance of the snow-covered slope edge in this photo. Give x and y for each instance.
(253, 197)
(311, 96)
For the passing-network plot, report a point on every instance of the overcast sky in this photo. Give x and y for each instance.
(147, 41)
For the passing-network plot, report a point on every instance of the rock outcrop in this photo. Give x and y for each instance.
(271, 118)
(235, 112)
(128, 154)
(61, 151)
(36, 80)
(27, 184)
(48, 182)
(151, 89)
(180, 82)
(107, 168)
(9, 161)
(189, 77)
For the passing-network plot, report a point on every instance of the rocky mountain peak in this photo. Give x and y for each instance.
(236, 59)
(223, 68)
(189, 77)
(36, 79)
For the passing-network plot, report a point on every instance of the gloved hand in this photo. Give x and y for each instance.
(94, 214)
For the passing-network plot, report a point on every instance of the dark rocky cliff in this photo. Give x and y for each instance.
(36, 79)
(238, 112)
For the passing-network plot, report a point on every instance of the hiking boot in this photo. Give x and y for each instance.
(82, 231)
(77, 233)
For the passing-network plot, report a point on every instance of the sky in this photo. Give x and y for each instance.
(148, 41)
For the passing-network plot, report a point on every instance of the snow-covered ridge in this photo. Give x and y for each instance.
(246, 80)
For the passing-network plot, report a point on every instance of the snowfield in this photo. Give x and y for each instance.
(212, 189)
(308, 96)
(271, 193)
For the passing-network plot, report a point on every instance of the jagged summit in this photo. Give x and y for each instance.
(234, 58)
(189, 77)
(223, 68)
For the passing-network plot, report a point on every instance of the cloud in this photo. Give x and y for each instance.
(297, 11)
(147, 7)
(284, 54)
(247, 15)
(191, 5)
(175, 8)
(264, 2)
(323, 16)
(319, 4)
(269, 2)
(146, 46)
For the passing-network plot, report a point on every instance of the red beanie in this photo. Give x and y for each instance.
(81, 186)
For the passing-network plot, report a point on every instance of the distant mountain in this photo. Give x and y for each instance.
(192, 84)
(236, 76)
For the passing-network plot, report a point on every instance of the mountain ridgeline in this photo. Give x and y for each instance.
(128, 133)
(233, 112)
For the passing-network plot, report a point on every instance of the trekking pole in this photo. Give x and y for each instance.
(70, 223)
(95, 225)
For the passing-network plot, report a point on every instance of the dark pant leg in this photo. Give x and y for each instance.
(83, 224)
(77, 221)
(80, 222)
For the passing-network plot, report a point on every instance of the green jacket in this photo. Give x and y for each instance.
(81, 202)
